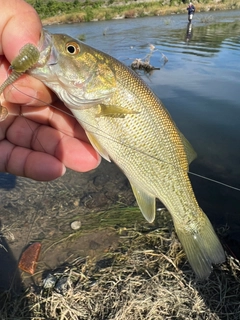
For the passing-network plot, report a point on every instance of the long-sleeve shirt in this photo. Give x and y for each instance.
(191, 9)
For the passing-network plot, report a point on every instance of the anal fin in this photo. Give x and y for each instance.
(146, 203)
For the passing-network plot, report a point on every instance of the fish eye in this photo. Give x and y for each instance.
(73, 48)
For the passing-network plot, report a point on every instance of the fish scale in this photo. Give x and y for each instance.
(127, 123)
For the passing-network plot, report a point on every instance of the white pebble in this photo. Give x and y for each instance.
(75, 225)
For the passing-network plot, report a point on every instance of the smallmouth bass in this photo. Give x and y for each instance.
(127, 123)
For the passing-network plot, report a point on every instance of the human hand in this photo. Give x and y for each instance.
(36, 140)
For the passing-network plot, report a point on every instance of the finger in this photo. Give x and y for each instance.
(27, 163)
(73, 153)
(29, 91)
(16, 29)
(58, 117)
(4, 125)
(26, 90)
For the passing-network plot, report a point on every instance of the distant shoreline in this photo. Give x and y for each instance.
(134, 10)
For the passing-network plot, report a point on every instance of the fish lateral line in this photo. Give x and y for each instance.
(128, 146)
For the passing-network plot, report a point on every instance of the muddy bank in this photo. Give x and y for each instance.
(34, 211)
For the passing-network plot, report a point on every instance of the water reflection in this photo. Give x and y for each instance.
(208, 40)
(189, 32)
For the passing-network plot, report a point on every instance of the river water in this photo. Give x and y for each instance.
(199, 85)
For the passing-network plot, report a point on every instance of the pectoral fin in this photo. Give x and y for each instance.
(114, 111)
(98, 146)
(146, 203)
(191, 154)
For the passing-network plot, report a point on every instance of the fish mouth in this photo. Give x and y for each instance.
(48, 53)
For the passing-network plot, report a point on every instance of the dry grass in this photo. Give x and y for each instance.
(66, 18)
(147, 277)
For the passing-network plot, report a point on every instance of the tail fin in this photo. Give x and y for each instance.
(202, 248)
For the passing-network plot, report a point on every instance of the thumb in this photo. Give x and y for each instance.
(19, 24)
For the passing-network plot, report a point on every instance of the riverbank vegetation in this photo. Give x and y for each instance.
(145, 277)
(53, 11)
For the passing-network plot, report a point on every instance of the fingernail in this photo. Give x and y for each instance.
(63, 171)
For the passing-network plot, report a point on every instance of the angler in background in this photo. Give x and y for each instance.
(191, 11)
